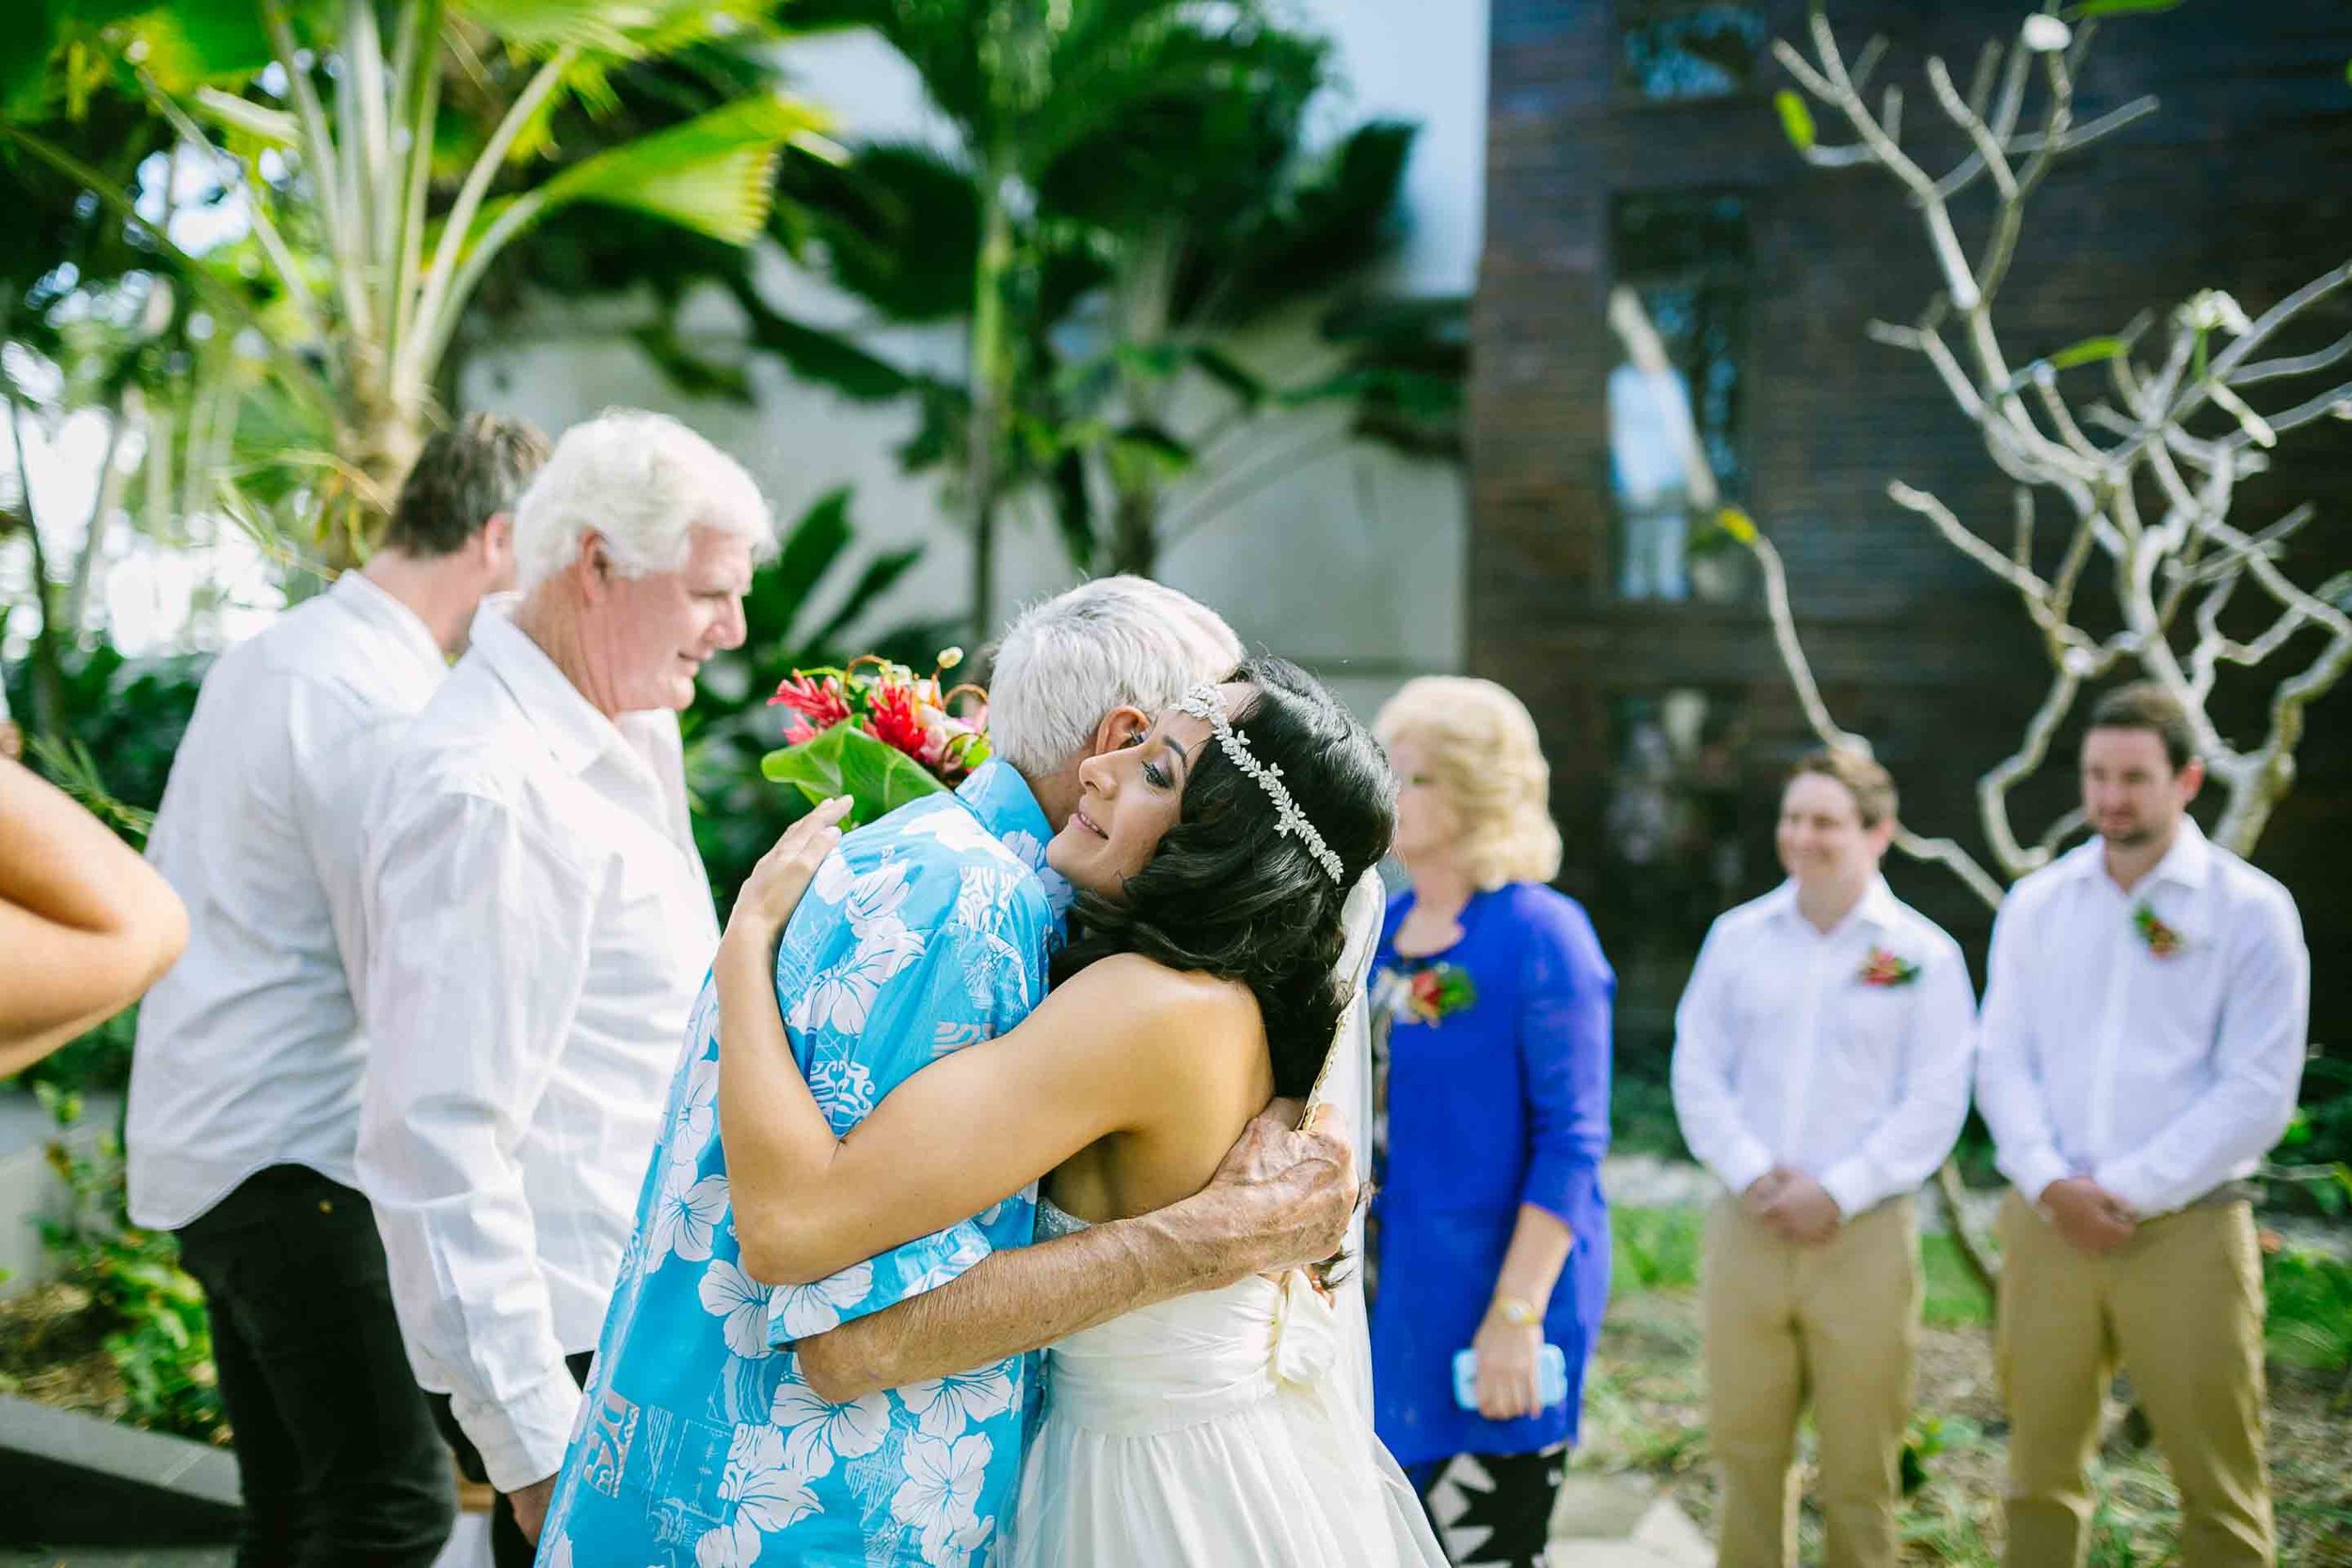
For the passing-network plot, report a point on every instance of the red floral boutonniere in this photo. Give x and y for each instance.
(1434, 993)
(1885, 970)
(2162, 940)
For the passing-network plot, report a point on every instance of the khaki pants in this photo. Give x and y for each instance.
(2182, 1305)
(1835, 1326)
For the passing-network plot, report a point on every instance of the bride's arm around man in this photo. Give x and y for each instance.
(714, 1399)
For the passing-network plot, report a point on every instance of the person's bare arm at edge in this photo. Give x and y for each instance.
(86, 925)
(1279, 1199)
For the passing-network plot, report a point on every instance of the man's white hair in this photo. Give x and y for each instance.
(642, 480)
(1122, 642)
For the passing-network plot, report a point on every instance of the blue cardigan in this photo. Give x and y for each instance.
(1502, 1103)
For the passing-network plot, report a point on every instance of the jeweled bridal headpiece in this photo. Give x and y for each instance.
(1201, 701)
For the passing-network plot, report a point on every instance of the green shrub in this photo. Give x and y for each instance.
(159, 1339)
(1656, 1249)
(2310, 1309)
(1955, 1299)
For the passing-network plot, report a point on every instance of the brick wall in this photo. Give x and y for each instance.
(2239, 181)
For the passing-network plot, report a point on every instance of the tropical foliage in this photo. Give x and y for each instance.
(1099, 257)
(381, 158)
(800, 606)
(1138, 170)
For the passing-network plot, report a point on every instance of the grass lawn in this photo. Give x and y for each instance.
(1645, 1409)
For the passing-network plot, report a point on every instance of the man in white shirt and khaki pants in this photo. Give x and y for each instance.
(244, 1080)
(2143, 1040)
(1820, 1070)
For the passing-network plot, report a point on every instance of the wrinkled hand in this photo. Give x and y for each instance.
(2092, 1219)
(531, 1506)
(1509, 1383)
(1283, 1197)
(774, 887)
(1801, 1212)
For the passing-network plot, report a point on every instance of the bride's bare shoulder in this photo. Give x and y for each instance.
(1151, 997)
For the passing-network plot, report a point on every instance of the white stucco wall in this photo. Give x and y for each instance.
(1350, 558)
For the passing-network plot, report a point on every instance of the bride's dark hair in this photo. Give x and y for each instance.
(1225, 894)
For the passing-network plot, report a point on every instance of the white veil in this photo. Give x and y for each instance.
(1345, 1087)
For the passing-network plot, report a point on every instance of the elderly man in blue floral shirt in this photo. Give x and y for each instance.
(877, 1418)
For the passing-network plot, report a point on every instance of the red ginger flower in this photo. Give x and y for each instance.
(896, 721)
(822, 702)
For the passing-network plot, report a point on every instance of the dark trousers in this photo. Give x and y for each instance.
(508, 1547)
(1506, 1524)
(335, 1443)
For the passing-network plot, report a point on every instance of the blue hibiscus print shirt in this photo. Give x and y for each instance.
(699, 1444)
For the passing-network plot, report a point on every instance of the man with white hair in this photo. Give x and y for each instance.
(701, 1436)
(539, 922)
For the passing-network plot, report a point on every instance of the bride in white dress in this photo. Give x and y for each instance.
(1226, 917)
(1234, 1425)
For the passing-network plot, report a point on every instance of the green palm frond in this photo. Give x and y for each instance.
(900, 224)
(620, 29)
(247, 120)
(715, 174)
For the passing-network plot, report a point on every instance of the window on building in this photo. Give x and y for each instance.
(1672, 49)
(1674, 854)
(1684, 258)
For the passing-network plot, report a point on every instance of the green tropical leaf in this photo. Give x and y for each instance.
(1738, 524)
(1151, 444)
(828, 359)
(900, 225)
(1796, 120)
(694, 374)
(1246, 388)
(782, 589)
(845, 760)
(2088, 352)
(877, 580)
(1309, 231)
(2118, 8)
(615, 27)
(714, 174)
(31, 37)
(1073, 507)
(256, 121)
(214, 38)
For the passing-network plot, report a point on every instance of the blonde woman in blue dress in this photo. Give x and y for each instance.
(1224, 923)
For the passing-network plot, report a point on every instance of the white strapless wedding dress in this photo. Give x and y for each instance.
(1221, 1430)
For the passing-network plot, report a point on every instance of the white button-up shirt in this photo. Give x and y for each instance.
(540, 923)
(2159, 1076)
(1842, 1054)
(249, 1051)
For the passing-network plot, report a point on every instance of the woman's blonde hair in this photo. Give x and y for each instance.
(1481, 750)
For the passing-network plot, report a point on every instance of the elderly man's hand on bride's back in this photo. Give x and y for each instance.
(1282, 1196)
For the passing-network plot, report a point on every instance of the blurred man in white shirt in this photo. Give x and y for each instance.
(244, 1082)
(2145, 1024)
(1820, 1070)
(540, 925)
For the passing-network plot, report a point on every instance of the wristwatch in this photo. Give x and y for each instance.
(1516, 1310)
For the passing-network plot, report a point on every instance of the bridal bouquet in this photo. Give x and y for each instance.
(878, 732)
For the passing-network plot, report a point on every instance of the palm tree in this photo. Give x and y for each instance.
(1213, 219)
(1025, 84)
(328, 120)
